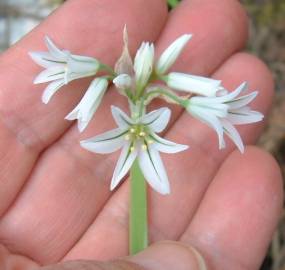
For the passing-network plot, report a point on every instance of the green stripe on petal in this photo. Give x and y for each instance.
(107, 142)
(167, 146)
(157, 120)
(126, 159)
(154, 170)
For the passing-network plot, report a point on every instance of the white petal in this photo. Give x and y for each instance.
(70, 76)
(233, 134)
(210, 105)
(82, 124)
(153, 170)
(211, 121)
(74, 114)
(167, 146)
(143, 63)
(93, 94)
(124, 164)
(83, 65)
(194, 84)
(222, 92)
(121, 119)
(242, 101)
(244, 116)
(45, 59)
(230, 96)
(51, 89)
(169, 56)
(107, 142)
(227, 98)
(84, 116)
(50, 74)
(88, 105)
(123, 81)
(55, 52)
(157, 120)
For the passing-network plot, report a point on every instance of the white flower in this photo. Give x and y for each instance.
(223, 112)
(61, 68)
(138, 139)
(123, 81)
(194, 84)
(88, 105)
(169, 56)
(143, 64)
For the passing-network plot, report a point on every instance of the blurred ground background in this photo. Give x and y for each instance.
(267, 41)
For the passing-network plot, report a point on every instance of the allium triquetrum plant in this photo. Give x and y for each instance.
(141, 80)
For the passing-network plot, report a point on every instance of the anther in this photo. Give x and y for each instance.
(142, 134)
(132, 149)
(150, 141)
(132, 130)
(127, 137)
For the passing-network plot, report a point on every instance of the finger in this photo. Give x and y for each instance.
(160, 256)
(243, 202)
(84, 27)
(10, 261)
(184, 16)
(189, 172)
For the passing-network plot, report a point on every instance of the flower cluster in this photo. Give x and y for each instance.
(140, 81)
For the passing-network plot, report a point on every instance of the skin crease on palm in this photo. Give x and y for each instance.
(55, 203)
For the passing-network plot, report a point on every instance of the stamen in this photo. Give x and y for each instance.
(127, 137)
(150, 141)
(142, 133)
(132, 130)
(132, 149)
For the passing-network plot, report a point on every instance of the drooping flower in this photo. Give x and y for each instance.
(88, 105)
(61, 68)
(123, 81)
(223, 112)
(138, 139)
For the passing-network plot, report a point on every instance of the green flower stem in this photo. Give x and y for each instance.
(107, 68)
(138, 229)
(173, 3)
(175, 98)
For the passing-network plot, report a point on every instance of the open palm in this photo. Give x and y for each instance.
(55, 203)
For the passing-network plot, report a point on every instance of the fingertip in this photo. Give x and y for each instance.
(254, 71)
(267, 171)
(168, 255)
(244, 200)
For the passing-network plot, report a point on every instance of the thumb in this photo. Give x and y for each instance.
(166, 255)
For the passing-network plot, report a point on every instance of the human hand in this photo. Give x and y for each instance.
(55, 203)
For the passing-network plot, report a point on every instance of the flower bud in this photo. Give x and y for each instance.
(170, 55)
(123, 81)
(143, 64)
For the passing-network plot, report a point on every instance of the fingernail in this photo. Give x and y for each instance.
(169, 255)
